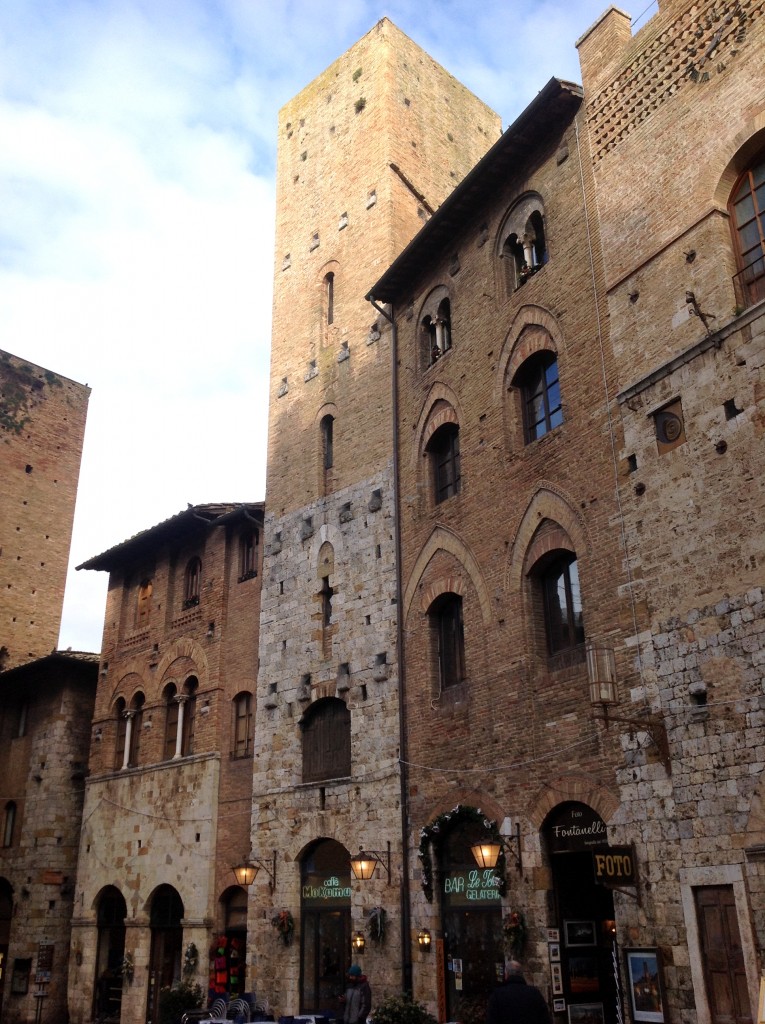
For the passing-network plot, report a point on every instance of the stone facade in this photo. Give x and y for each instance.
(42, 423)
(44, 738)
(167, 803)
(328, 649)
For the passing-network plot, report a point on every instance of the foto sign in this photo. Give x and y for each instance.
(615, 866)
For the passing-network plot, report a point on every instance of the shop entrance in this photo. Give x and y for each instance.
(472, 926)
(584, 975)
(325, 932)
(166, 942)
(112, 912)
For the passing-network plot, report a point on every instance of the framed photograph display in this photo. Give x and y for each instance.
(556, 974)
(559, 1005)
(553, 934)
(579, 933)
(583, 976)
(586, 1013)
(554, 951)
(645, 985)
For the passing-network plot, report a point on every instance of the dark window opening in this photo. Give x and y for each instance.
(444, 451)
(747, 209)
(193, 583)
(562, 603)
(437, 333)
(329, 298)
(327, 741)
(327, 441)
(242, 724)
(446, 621)
(248, 555)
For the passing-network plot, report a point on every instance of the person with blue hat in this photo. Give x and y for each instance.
(357, 998)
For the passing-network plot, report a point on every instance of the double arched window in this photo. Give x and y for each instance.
(522, 242)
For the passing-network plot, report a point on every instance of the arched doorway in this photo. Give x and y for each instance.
(584, 911)
(166, 943)
(228, 969)
(471, 921)
(6, 913)
(111, 914)
(325, 911)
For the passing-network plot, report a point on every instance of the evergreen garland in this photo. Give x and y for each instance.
(434, 834)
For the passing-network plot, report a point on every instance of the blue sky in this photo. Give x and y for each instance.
(136, 234)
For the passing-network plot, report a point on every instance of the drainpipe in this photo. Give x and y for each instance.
(406, 939)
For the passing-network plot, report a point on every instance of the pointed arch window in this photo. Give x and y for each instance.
(523, 243)
(747, 208)
(561, 593)
(192, 583)
(446, 622)
(538, 383)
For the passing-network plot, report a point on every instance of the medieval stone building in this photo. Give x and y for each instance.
(169, 791)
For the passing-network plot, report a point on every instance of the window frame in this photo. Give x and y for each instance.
(192, 582)
(447, 622)
(249, 541)
(9, 823)
(750, 284)
(563, 632)
(534, 382)
(242, 733)
(443, 451)
(326, 741)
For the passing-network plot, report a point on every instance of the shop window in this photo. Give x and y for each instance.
(747, 210)
(242, 724)
(444, 452)
(192, 583)
(537, 381)
(327, 741)
(9, 822)
(446, 622)
(564, 624)
(248, 555)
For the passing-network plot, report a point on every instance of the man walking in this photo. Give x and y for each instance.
(515, 1002)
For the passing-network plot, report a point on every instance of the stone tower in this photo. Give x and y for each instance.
(366, 153)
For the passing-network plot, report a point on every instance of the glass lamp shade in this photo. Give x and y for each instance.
(359, 942)
(423, 938)
(486, 854)
(363, 865)
(245, 873)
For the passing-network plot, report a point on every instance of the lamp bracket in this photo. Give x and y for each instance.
(652, 724)
(513, 846)
(270, 869)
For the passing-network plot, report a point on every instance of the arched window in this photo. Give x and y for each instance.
(522, 241)
(327, 441)
(143, 605)
(446, 623)
(190, 688)
(248, 555)
(112, 912)
(436, 333)
(444, 452)
(171, 720)
(120, 709)
(9, 822)
(135, 726)
(747, 209)
(192, 583)
(558, 575)
(242, 724)
(327, 741)
(166, 944)
(539, 387)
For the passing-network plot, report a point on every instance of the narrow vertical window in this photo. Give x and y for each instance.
(9, 823)
(248, 560)
(446, 621)
(747, 207)
(329, 298)
(171, 721)
(537, 380)
(326, 602)
(242, 724)
(121, 733)
(562, 604)
(189, 715)
(192, 583)
(144, 602)
(136, 713)
(444, 452)
(327, 441)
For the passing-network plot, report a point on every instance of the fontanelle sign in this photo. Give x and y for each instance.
(575, 828)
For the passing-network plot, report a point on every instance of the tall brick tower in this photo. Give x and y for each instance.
(42, 424)
(366, 152)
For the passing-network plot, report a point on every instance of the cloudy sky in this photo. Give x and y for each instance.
(137, 148)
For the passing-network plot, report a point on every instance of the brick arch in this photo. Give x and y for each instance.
(325, 409)
(534, 329)
(442, 539)
(466, 798)
(185, 647)
(178, 671)
(548, 502)
(744, 147)
(432, 301)
(444, 585)
(131, 682)
(431, 419)
(548, 537)
(572, 787)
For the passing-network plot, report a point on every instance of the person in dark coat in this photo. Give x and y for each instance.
(515, 1002)
(358, 997)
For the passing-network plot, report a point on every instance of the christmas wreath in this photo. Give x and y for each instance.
(514, 928)
(284, 923)
(434, 834)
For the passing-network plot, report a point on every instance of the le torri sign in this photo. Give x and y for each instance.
(614, 866)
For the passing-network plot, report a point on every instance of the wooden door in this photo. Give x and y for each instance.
(722, 956)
